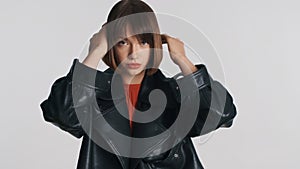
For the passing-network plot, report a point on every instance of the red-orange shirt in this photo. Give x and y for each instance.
(131, 92)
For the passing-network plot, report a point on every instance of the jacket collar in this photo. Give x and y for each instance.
(114, 89)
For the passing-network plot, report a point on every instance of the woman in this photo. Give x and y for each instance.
(131, 46)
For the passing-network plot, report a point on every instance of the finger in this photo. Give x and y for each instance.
(102, 27)
(166, 38)
(104, 24)
(179, 40)
(163, 39)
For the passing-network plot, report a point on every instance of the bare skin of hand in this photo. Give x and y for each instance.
(177, 54)
(97, 49)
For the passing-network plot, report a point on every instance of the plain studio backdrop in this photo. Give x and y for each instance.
(258, 46)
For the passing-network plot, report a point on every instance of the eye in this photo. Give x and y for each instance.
(144, 42)
(122, 42)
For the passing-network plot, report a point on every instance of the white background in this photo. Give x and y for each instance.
(257, 42)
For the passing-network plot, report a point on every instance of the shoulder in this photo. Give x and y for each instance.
(160, 77)
(166, 83)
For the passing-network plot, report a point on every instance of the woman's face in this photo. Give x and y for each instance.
(133, 55)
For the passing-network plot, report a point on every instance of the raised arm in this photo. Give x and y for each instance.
(216, 107)
(70, 94)
(75, 91)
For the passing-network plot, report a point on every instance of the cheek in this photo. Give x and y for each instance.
(147, 56)
(144, 52)
(120, 55)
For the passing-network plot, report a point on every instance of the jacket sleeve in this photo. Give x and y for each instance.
(216, 108)
(71, 96)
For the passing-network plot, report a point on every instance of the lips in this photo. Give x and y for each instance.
(133, 65)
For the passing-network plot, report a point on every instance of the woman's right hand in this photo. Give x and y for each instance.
(98, 43)
(97, 49)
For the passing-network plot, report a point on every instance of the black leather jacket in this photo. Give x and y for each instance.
(59, 109)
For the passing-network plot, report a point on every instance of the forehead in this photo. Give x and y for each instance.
(128, 32)
(131, 35)
(136, 24)
(131, 26)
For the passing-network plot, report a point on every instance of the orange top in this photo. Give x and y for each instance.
(131, 92)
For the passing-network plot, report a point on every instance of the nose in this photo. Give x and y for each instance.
(134, 51)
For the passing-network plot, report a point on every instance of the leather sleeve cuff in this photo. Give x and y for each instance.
(195, 81)
(83, 74)
(201, 76)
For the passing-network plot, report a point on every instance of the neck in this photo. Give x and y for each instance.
(137, 79)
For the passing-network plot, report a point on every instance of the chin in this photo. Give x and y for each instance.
(133, 72)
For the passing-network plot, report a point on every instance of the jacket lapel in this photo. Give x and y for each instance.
(149, 129)
(110, 100)
(113, 96)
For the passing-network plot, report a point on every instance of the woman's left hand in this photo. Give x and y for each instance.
(175, 47)
(177, 54)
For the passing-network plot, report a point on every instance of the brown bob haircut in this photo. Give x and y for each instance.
(143, 25)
